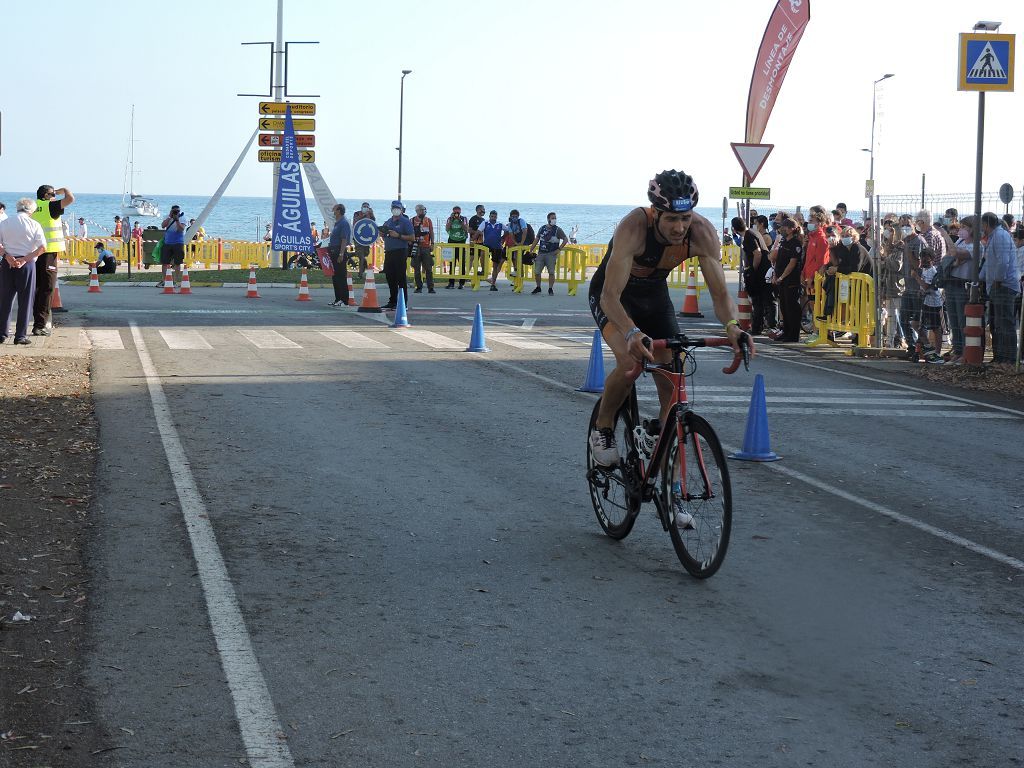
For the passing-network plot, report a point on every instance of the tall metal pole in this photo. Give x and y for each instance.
(278, 90)
(977, 200)
(401, 118)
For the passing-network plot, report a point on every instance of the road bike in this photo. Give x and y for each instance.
(680, 466)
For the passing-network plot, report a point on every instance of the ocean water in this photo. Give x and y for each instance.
(244, 218)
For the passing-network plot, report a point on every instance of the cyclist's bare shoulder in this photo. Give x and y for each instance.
(704, 239)
(630, 237)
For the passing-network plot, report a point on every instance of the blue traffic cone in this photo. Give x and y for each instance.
(756, 440)
(401, 319)
(476, 341)
(595, 371)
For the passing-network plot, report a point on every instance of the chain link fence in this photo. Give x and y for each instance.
(939, 203)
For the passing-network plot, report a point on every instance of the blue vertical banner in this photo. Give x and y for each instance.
(291, 219)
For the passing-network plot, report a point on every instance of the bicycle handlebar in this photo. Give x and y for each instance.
(682, 342)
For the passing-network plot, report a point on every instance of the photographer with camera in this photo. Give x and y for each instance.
(172, 252)
(397, 233)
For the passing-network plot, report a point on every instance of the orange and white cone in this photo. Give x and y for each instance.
(252, 292)
(56, 305)
(744, 310)
(690, 306)
(369, 294)
(304, 286)
(186, 285)
(351, 292)
(168, 280)
(94, 281)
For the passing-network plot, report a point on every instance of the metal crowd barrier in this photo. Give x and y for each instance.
(854, 310)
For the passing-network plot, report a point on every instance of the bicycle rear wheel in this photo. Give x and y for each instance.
(613, 489)
(700, 547)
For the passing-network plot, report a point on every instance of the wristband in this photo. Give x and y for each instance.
(731, 322)
(631, 333)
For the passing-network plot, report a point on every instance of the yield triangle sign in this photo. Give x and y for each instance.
(987, 66)
(751, 157)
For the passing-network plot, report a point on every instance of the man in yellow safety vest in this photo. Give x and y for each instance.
(48, 213)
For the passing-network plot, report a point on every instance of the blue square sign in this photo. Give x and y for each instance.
(986, 62)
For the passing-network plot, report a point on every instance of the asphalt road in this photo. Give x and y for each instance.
(407, 536)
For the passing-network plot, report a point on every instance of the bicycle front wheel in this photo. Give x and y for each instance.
(696, 489)
(613, 489)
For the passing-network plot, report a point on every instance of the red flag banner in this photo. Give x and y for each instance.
(781, 37)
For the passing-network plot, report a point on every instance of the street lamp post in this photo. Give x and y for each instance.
(401, 116)
(879, 335)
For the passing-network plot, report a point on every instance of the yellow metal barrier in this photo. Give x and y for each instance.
(731, 256)
(854, 309)
(595, 253)
(570, 267)
(82, 249)
(679, 276)
(461, 261)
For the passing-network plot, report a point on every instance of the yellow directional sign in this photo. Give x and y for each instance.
(750, 193)
(274, 156)
(279, 108)
(277, 124)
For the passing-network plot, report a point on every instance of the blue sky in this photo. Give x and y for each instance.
(546, 101)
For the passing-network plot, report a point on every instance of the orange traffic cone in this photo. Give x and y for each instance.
(168, 280)
(744, 310)
(304, 286)
(351, 291)
(56, 305)
(690, 306)
(94, 281)
(369, 294)
(186, 286)
(252, 292)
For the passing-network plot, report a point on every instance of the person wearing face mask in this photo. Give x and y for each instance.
(398, 234)
(911, 301)
(363, 251)
(817, 247)
(423, 250)
(550, 240)
(493, 232)
(890, 282)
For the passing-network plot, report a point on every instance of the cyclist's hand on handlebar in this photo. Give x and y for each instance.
(639, 348)
(742, 343)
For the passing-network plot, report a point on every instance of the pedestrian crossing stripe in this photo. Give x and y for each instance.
(986, 62)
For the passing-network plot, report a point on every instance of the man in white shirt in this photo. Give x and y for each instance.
(3, 212)
(21, 243)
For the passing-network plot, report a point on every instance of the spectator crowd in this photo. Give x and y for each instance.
(923, 269)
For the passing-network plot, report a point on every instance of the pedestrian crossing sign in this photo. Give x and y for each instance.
(986, 62)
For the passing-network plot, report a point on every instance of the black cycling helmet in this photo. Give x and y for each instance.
(673, 191)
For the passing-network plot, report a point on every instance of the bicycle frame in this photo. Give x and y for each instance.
(676, 377)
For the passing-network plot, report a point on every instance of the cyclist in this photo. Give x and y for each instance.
(629, 292)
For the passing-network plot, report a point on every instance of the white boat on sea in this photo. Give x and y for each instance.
(137, 205)
(131, 203)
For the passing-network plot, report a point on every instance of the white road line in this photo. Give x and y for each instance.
(254, 708)
(770, 390)
(882, 412)
(899, 517)
(528, 323)
(952, 538)
(824, 403)
(900, 386)
(430, 339)
(264, 338)
(101, 339)
(183, 339)
(519, 341)
(353, 340)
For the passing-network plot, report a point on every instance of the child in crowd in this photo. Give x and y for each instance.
(931, 311)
